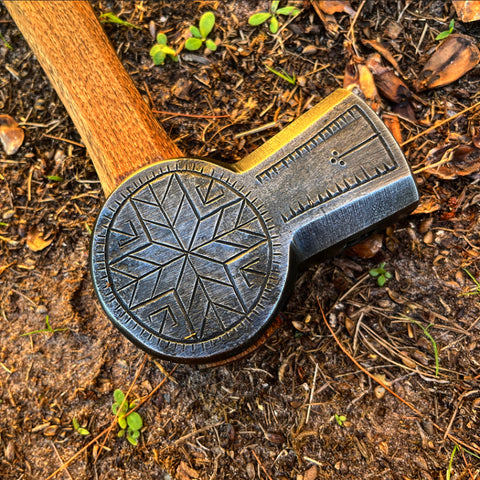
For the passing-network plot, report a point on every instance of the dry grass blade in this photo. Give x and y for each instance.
(439, 124)
(388, 389)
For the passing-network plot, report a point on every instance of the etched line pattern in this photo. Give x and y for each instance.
(338, 188)
(348, 117)
(188, 256)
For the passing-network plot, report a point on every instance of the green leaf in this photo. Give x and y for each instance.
(193, 44)
(274, 6)
(157, 54)
(207, 21)
(121, 433)
(374, 272)
(169, 50)
(381, 281)
(274, 25)
(76, 426)
(54, 178)
(451, 25)
(162, 39)
(258, 18)
(135, 421)
(83, 431)
(442, 35)
(122, 422)
(195, 32)
(134, 434)
(132, 440)
(110, 17)
(119, 396)
(2, 38)
(210, 44)
(289, 10)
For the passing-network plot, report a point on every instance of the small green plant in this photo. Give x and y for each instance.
(54, 178)
(161, 50)
(434, 344)
(341, 419)
(48, 329)
(110, 17)
(2, 38)
(262, 17)
(476, 290)
(80, 430)
(282, 74)
(200, 33)
(380, 274)
(450, 463)
(130, 422)
(446, 33)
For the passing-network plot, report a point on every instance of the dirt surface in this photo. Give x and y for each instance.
(298, 407)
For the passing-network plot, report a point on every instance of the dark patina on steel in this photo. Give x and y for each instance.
(191, 259)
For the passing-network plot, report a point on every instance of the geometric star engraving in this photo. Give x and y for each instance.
(188, 256)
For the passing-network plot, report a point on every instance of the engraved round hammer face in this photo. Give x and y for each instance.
(183, 261)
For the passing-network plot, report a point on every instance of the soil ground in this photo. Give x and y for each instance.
(296, 408)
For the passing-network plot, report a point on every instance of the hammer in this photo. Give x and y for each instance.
(192, 258)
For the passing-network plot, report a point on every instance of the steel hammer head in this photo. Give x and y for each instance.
(191, 259)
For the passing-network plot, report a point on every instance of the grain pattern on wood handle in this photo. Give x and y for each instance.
(119, 130)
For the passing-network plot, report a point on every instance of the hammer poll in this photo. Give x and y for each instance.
(192, 258)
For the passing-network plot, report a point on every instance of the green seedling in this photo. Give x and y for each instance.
(434, 344)
(130, 422)
(48, 329)
(341, 419)
(2, 38)
(446, 33)
(262, 17)
(476, 290)
(80, 430)
(380, 274)
(450, 463)
(110, 17)
(161, 50)
(54, 178)
(283, 74)
(200, 33)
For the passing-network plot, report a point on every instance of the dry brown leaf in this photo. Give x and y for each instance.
(393, 30)
(476, 137)
(185, 472)
(36, 241)
(11, 135)
(427, 205)
(367, 248)
(359, 79)
(458, 161)
(390, 85)
(335, 6)
(454, 57)
(467, 10)
(329, 22)
(404, 110)
(382, 50)
(393, 124)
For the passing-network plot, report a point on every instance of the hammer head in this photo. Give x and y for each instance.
(191, 259)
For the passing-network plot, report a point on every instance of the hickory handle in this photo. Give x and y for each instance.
(117, 127)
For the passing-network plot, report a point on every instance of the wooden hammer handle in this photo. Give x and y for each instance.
(119, 130)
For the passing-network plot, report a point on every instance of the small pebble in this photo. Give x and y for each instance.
(428, 238)
(41, 310)
(310, 50)
(11, 135)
